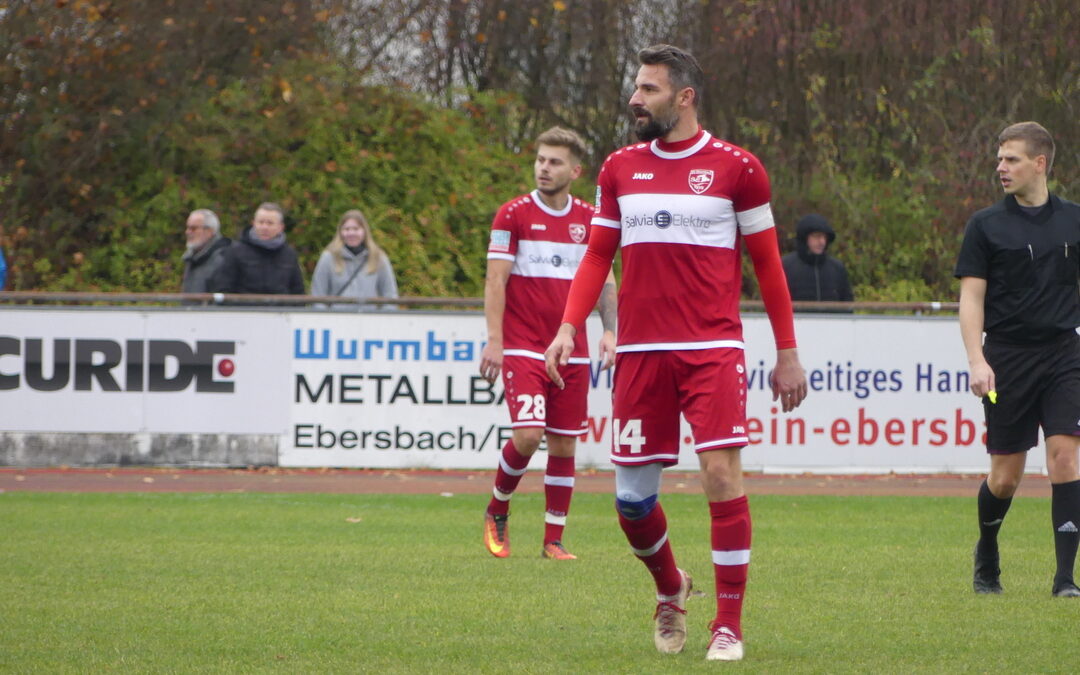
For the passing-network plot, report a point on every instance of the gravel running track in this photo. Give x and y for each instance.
(398, 481)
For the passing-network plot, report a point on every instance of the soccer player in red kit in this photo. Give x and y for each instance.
(537, 241)
(681, 203)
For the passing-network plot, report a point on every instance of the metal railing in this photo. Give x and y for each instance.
(238, 299)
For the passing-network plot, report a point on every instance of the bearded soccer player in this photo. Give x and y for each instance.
(537, 241)
(681, 204)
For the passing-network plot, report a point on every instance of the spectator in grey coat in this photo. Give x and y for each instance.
(353, 265)
(205, 247)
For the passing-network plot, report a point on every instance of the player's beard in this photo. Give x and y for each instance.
(658, 124)
(554, 188)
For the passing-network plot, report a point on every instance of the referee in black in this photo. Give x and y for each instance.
(1019, 269)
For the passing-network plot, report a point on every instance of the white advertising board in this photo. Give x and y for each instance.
(392, 390)
(119, 371)
(402, 391)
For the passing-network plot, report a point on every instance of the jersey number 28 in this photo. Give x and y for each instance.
(532, 407)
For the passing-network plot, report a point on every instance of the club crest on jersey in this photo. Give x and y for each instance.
(700, 180)
(577, 232)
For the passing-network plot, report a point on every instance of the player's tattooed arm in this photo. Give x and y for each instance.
(608, 306)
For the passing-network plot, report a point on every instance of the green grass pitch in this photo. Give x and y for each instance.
(401, 584)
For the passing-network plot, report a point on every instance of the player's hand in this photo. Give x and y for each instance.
(558, 353)
(607, 350)
(491, 361)
(788, 380)
(982, 379)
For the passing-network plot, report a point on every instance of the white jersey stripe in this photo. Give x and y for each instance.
(757, 219)
(566, 432)
(606, 222)
(656, 218)
(646, 552)
(547, 259)
(581, 360)
(731, 557)
(672, 346)
(500, 256)
(723, 442)
(525, 425)
(623, 459)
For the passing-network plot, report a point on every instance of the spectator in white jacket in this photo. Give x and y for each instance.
(354, 266)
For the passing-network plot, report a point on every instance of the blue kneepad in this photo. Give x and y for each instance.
(635, 510)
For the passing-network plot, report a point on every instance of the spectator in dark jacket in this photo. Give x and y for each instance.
(812, 274)
(261, 261)
(205, 250)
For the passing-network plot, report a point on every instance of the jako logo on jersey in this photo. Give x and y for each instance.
(700, 180)
(577, 232)
(128, 365)
(662, 219)
(539, 226)
(642, 176)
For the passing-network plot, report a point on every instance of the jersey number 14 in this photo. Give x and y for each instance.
(628, 434)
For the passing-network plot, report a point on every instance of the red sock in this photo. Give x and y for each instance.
(648, 538)
(512, 467)
(731, 558)
(558, 489)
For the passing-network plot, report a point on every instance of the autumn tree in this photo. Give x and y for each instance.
(86, 86)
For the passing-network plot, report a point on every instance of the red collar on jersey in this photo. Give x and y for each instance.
(679, 146)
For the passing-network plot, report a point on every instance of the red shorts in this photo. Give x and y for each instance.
(708, 386)
(536, 402)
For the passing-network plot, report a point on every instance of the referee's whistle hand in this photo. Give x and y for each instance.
(982, 378)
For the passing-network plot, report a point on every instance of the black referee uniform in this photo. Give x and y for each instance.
(1030, 258)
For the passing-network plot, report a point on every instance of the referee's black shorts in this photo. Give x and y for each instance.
(1037, 385)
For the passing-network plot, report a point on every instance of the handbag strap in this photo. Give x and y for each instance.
(349, 281)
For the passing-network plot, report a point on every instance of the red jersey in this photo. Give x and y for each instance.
(546, 247)
(681, 209)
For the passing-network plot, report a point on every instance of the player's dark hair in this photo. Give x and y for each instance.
(683, 69)
(563, 138)
(1035, 136)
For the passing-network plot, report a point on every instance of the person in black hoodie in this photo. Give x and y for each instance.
(260, 261)
(205, 250)
(812, 274)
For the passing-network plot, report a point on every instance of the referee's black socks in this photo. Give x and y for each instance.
(992, 512)
(1065, 512)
